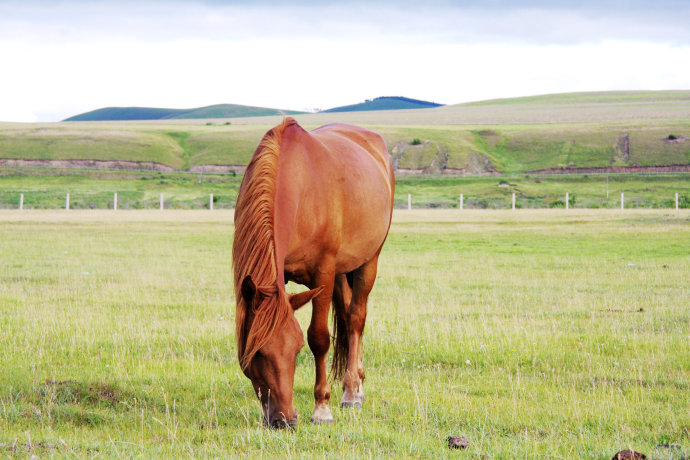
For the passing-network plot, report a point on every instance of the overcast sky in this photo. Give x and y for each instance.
(60, 58)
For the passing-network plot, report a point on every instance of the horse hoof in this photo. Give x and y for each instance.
(322, 416)
(322, 421)
(353, 404)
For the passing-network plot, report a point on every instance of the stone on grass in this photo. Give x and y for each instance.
(628, 455)
(458, 442)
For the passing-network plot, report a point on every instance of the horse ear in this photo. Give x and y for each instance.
(298, 300)
(248, 289)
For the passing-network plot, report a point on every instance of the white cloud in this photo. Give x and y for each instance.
(73, 57)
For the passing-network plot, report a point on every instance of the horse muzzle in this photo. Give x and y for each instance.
(279, 421)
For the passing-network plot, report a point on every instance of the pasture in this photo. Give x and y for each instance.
(46, 189)
(534, 333)
(518, 135)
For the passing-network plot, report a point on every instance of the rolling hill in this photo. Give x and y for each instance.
(149, 113)
(595, 131)
(385, 103)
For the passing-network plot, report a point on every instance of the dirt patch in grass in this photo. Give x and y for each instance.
(67, 391)
(676, 139)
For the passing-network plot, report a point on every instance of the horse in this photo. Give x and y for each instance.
(314, 207)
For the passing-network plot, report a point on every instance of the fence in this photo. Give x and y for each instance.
(677, 202)
(68, 201)
(568, 202)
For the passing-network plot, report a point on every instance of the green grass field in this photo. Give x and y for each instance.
(535, 334)
(509, 135)
(43, 189)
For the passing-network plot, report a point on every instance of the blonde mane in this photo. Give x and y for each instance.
(253, 250)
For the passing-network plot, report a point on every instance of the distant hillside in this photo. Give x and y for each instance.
(605, 131)
(150, 113)
(594, 97)
(385, 103)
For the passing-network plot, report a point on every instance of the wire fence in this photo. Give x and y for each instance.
(566, 201)
(127, 200)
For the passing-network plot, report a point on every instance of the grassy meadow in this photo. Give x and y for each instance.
(47, 189)
(508, 135)
(534, 333)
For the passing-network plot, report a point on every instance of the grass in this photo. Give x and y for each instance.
(93, 190)
(43, 189)
(528, 134)
(534, 334)
(545, 191)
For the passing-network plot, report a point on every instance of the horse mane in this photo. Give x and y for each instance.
(253, 250)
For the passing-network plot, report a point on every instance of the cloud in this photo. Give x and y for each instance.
(534, 22)
(72, 56)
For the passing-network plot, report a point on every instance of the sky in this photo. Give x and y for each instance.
(63, 57)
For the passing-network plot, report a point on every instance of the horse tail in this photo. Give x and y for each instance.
(342, 294)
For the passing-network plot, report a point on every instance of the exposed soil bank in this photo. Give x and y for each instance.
(87, 164)
(614, 169)
(239, 169)
(218, 169)
(121, 165)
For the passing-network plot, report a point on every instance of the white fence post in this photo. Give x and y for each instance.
(513, 200)
(210, 202)
(567, 202)
(67, 203)
(21, 201)
(115, 202)
(462, 198)
(676, 201)
(622, 201)
(409, 201)
(161, 201)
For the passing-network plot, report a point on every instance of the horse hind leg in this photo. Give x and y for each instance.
(362, 282)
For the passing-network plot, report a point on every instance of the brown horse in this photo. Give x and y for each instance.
(313, 208)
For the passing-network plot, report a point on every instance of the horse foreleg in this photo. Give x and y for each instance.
(363, 281)
(319, 342)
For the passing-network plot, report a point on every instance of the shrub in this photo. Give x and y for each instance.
(672, 137)
(416, 141)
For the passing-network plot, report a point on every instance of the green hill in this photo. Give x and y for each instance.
(149, 113)
(595, 97)
(579, 130)
(385, 103)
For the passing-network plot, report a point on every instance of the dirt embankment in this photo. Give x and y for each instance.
(218, 169)
(122, 165)
(86, 164)
(614, 169)
(477, 166)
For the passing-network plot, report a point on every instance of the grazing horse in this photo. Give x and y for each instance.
(314, 208)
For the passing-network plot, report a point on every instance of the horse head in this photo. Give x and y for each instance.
(271, 347)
